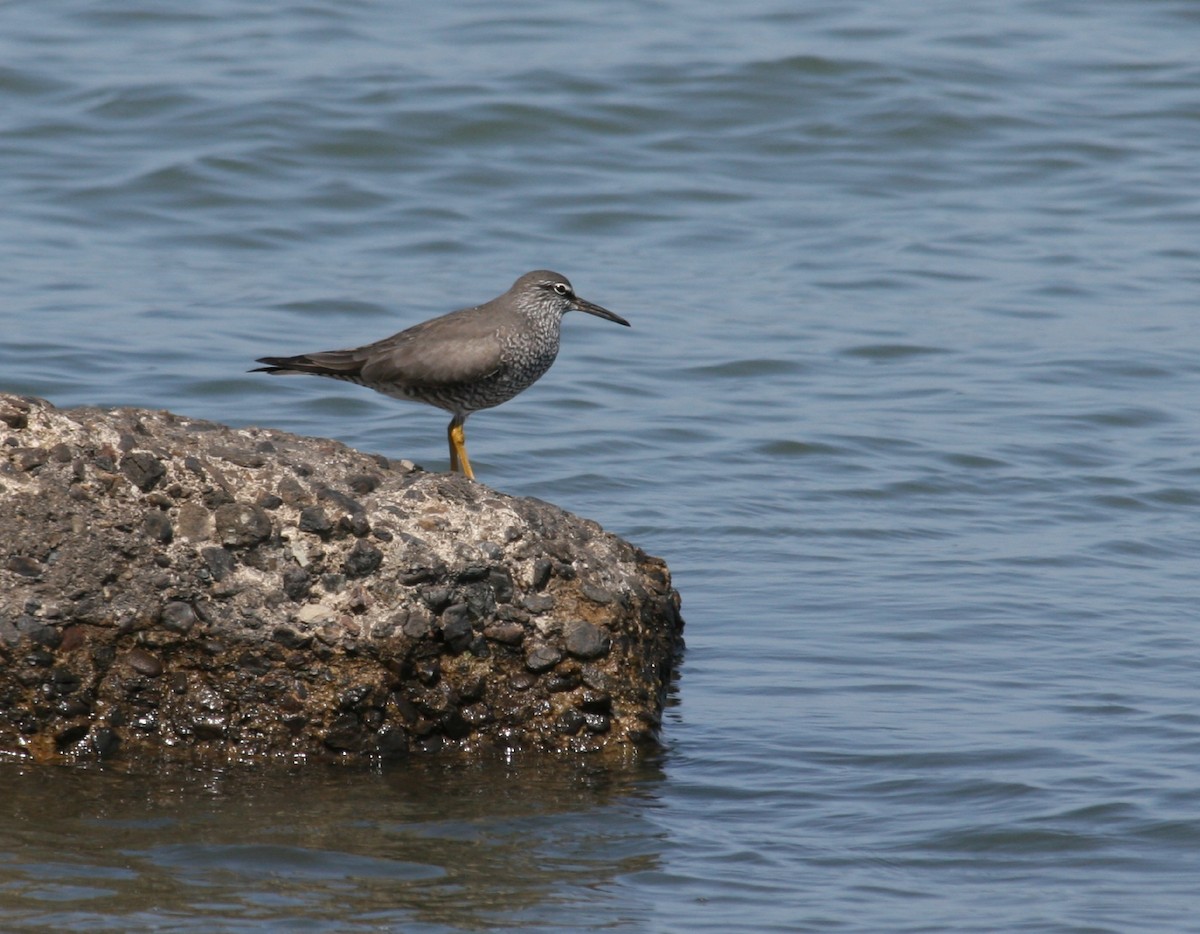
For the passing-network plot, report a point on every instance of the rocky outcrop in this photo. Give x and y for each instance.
(169, 585)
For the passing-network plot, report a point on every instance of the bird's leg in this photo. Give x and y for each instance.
(458, 447)
(450, 431)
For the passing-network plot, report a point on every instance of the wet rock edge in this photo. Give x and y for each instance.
(175, 586)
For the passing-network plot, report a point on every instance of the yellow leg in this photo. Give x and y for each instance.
(458, 447)
(450, 432)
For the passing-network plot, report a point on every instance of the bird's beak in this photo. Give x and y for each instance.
(580, 304)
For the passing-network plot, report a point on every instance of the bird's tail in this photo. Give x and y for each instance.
(340, 364)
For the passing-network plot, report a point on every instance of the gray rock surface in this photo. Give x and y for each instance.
(174, 586)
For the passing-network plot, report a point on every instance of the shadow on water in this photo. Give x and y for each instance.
(417, 846)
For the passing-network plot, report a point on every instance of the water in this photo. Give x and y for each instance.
(909, 406)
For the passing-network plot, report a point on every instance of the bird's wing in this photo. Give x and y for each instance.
(455, 348)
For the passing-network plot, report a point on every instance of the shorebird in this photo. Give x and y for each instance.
(467, 360)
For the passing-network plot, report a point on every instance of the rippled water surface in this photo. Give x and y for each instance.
(909, 405)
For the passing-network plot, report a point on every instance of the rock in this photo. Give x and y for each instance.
(14, 411)
(195, 522)
(297, 583)
(456, 628)
(583, 640)
(508, 633)
(31, 458)
(176, 587)
(144, 663)
(314, 519)
(538, 602)
(241, 525)
(23, 565)
(219, 562)
(143, 469)
(315, 613)
(363, 482)
(178, 616)
(542, 658)
(541, 572)
(363, 559)
(158, 526)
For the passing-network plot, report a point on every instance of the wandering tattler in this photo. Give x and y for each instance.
(470, 359)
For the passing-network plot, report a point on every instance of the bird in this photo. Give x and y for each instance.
(471, 359)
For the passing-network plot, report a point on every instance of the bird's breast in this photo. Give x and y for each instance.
(526, 365)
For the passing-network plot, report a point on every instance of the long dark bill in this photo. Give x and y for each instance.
(583, 305)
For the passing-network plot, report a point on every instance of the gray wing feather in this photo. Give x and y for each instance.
(455, 348)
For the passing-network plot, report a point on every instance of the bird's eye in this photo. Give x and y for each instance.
(562, 288)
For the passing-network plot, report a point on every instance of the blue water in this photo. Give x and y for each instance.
(909, 406)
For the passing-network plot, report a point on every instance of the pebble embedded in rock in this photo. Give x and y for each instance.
(353, 697)
(418, 623)
(144, 663)
(570, 722)
(143, 470)
(363, 559)
(242, 525)
(561, 681)
(542, 658)
(178, 616)
(419, 574)
(290, 491)
(209, 727)
(25, 566)
(541, 572)
(356, 524)
(71, 735)
(391, 742)
(346, 503)
(476, 715)
(363, 483)
(14, 413)
(32, 458)
(456, 627)
(538, 603)
(239, 456)
(600, 595)
(105, 741)
(297, 583)
(437, 598)
(594, 701)
(522, 681)
(507, 633)
(596, 678)
(195, 523)
(220, 563)
(343, 732)
(316, 520)
(502, 584)
(583, 640)
(158, 527)
(72, 638)
(315, 613)
(38, 633)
